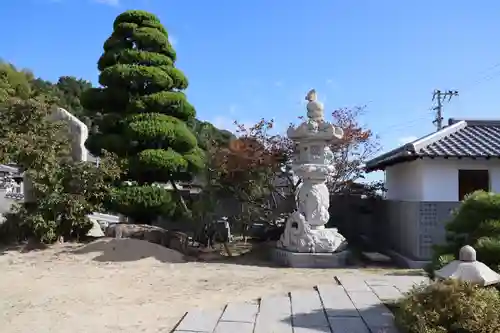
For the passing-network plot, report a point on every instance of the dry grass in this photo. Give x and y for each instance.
(60, 290)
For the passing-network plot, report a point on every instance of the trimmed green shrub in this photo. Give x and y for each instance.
(141, 203)
(449, 307)
(476, 223)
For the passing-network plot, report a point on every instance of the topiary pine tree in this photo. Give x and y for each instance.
(140, 112)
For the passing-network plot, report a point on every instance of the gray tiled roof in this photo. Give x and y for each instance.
(460, 139)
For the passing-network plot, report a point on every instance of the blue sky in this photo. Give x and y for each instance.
(249, 59)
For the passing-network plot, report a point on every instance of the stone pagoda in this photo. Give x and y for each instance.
(305, 241)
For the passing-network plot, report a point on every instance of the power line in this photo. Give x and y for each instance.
(405, 124)
(482, 79)
(438, 120)
(485, 75)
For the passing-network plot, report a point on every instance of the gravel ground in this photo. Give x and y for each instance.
(125, 287)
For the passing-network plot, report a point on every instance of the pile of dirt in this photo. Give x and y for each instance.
(129, 249)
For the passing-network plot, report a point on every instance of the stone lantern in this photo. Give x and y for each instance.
(305, 241)
(467, 268)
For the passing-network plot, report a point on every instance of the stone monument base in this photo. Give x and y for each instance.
(310, 260)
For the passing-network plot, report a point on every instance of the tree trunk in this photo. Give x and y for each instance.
(228, 250)
(181, 199)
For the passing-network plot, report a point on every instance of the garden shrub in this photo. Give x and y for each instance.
(143, 204)
(476, 223)
(449, 306)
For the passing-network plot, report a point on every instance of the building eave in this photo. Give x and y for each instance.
(409, 151)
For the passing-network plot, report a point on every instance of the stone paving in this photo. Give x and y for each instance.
(353, 303)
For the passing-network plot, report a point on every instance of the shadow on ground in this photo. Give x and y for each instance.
(24, 247)
(379, 317)
(33, 246)
(259, 254)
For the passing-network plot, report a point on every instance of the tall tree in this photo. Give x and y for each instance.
(358, 145)
(141, 111)
(71, 90)
(13, 83)
(247, 170)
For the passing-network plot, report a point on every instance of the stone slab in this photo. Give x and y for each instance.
(266, 323)
(240, 312)
(377, 317)
(311, 330)
(352, 283)
(275, 315)
(310, 260)
(276, 305)
(310, 320)
(348, 325)
(385, 329)
(336, 302)
(233, 327)
(405, 284)
(379, 282)
(364, 299)
(307, 309)
(199, 320)
(387, 293)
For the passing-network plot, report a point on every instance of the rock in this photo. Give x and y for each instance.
(175, 240)
(96, 230)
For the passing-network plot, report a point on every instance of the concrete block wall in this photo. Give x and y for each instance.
(399, 230)
(412, 228)
(432, 222)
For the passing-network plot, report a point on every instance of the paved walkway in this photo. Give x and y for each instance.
(353, 303)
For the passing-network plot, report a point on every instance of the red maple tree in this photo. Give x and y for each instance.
(255, 166)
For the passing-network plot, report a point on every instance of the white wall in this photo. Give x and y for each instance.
(404, 181)
(435, 179)
(441, 177)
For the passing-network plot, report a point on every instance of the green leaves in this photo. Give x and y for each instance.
(141, 18)
(159, 131)
(138, 80)
(477, 223)
(142, 203)
(65, 191)
(27, 137)
(140, 112)
(172, 103)
(13, 83)
(133, 57)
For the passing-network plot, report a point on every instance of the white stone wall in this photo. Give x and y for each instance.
(78, 133)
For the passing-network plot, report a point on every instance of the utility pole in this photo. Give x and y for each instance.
(440, 96)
